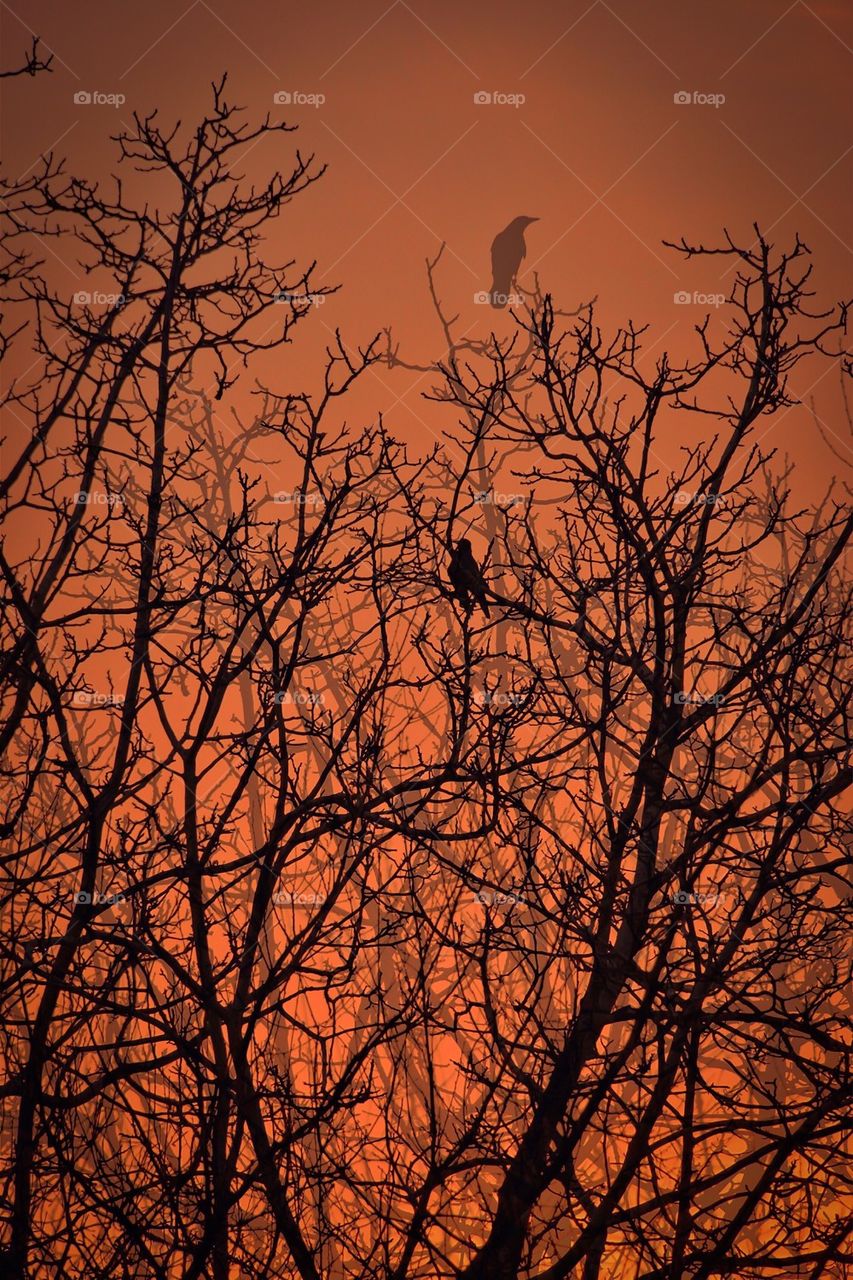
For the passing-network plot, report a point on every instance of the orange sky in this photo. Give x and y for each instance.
(598, 150)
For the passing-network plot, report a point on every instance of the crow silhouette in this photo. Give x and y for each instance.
(466, 578)
(508, 250)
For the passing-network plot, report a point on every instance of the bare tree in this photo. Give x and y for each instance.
(349, 934)
(692, 739)
(34, 62)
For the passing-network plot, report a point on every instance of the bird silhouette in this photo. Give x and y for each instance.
(508, 250)
(466, 578)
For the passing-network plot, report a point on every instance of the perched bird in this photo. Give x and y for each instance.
(508, 250)
(466, 578)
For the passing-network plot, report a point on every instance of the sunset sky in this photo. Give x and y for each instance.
(598, 150)
(302, 657)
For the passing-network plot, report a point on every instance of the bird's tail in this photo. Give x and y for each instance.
(499, 292)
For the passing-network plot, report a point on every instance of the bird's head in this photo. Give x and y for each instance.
(463, 545)
(524, 221)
